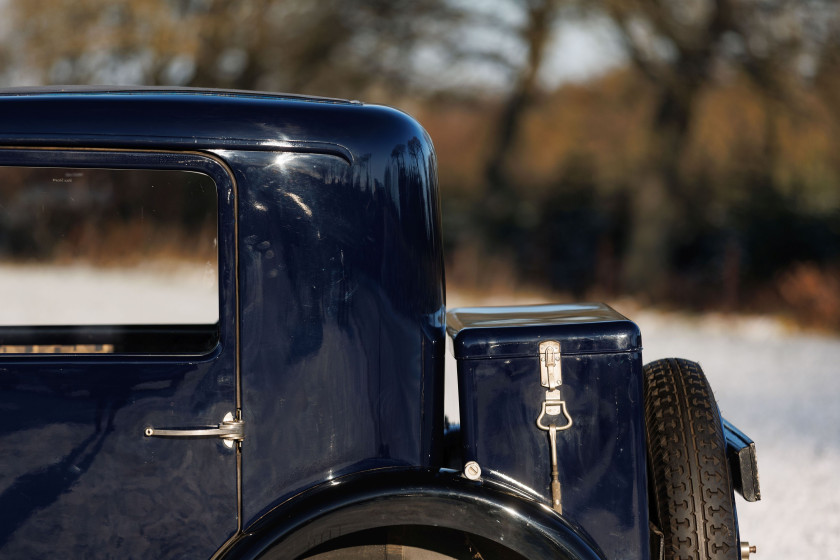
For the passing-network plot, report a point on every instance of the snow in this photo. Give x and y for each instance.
(82, 294)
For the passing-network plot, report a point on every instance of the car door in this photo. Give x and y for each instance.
(118, 355)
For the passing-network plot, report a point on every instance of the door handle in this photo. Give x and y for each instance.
(229, 431)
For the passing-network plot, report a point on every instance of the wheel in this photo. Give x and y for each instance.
(411, 543)
(380, 552)
(691, 497)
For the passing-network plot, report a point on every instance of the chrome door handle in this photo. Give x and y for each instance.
(229, 430)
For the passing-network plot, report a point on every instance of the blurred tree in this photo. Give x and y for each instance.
(534, 33)
(684, 48)
(719, 102)
(331, 47)
(825, 65)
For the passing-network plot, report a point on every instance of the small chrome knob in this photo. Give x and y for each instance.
(472, 470)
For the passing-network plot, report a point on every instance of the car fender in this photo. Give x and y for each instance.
(411, 497)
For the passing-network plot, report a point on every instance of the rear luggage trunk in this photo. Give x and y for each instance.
(514, 385)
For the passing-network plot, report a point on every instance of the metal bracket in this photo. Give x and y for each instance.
(229, 431)
(740, 453)
(551, 375)
(553, 406)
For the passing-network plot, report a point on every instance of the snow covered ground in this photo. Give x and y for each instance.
(160, 292)
(780, 387)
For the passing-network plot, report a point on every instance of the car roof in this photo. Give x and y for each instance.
(165, 90)
(198, 119)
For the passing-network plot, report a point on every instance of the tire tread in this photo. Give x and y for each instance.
(691, 490)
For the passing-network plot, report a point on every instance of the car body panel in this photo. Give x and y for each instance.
(340, 300)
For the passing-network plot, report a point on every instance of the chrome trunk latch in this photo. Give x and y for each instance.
(551, 377)
(553, 407)
(229, 431)
(551, 374)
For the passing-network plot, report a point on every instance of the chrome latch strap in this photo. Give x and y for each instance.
(554, 416)
(551, 377)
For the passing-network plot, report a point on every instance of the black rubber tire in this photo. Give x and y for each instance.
(691, 497)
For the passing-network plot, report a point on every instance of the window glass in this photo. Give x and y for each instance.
(108, 260)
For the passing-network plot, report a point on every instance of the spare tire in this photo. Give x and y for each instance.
(691, 494)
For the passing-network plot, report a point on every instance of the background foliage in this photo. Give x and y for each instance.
(697, 166)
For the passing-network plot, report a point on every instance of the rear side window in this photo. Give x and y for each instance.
(108, 261)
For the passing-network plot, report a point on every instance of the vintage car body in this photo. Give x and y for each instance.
(310, 406)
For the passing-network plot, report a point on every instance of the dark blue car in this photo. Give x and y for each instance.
(223, 336)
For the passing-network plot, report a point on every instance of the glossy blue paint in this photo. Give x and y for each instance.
(505, 332)
(601, 456)
(417, 498)
(337, 257)
(341, 299)
(185, 119)
(77, 477)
